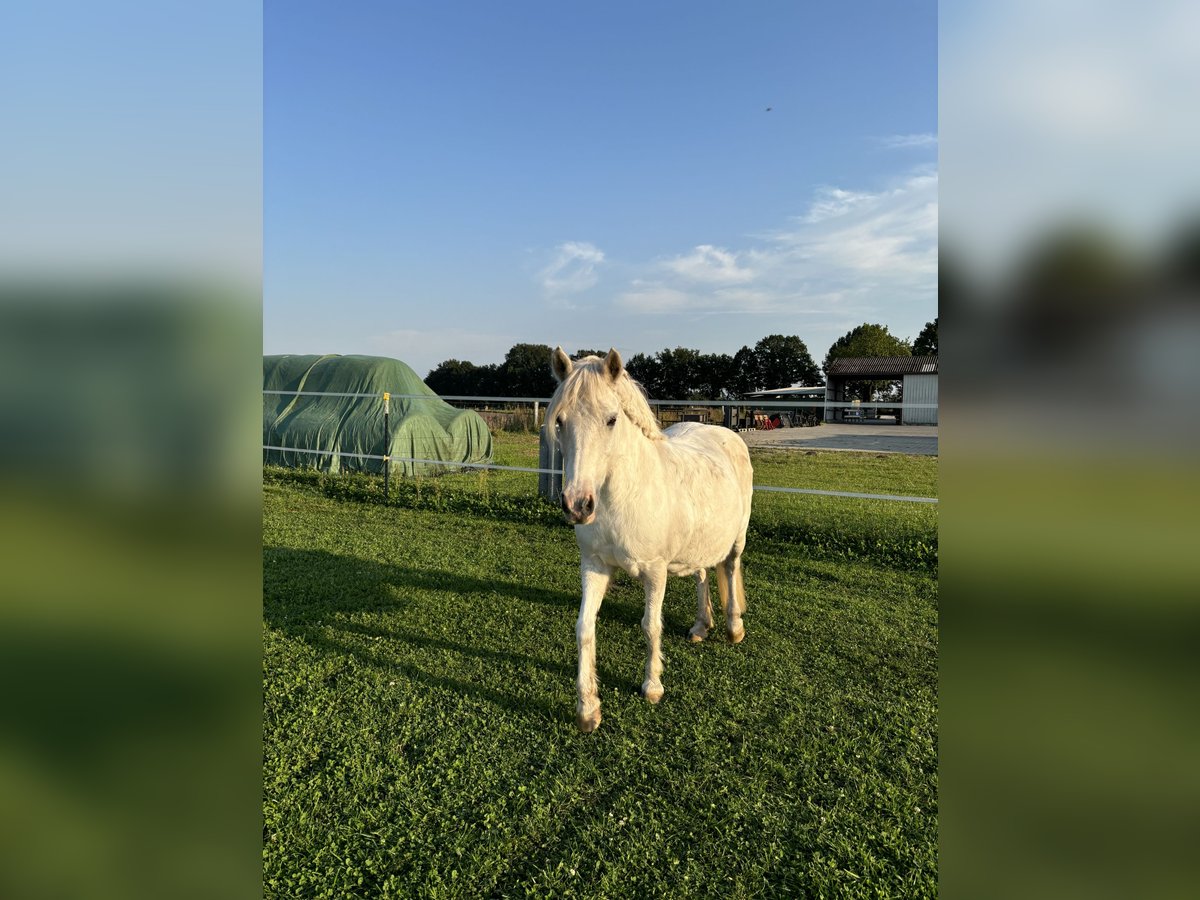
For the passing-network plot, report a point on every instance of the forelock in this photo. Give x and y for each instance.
(588, 378)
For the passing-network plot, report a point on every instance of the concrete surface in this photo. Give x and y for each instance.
(889, 438)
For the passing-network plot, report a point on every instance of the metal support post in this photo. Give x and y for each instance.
(387, 445)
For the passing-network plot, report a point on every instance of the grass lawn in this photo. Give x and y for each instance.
(419, 698)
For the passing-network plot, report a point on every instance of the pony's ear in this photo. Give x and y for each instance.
(613, 364)
(560, 364)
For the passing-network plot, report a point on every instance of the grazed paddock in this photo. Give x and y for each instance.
(419, 695)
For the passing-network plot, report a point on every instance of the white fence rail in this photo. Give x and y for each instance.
(756, 403)
(536, 401)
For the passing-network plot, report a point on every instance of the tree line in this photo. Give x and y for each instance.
(684, 374)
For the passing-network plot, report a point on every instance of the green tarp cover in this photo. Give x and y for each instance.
(425, 427)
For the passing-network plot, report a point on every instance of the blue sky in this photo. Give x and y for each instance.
(444, 180)
(132, 139)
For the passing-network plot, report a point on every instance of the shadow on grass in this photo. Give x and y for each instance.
(319, 581)
(320, 639)
(416, 639)
(308, 594)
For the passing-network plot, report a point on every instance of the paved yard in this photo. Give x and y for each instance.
(890, 438)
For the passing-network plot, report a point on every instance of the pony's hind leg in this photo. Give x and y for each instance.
(734, 595)
(704, 621)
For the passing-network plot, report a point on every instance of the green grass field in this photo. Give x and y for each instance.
(419, 698)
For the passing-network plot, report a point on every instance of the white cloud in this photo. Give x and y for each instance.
(709, 264)
(832, 202)
(890, 234)
(660, 297)
(654, 298)
(850, 253)
(572, 270)
(907, 141)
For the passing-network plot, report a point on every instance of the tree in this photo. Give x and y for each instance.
(784, 361)
(488, 382)
(744, 377)
(679, 373)
(866, 340)
(454, 376)
(715, 376)
(579, 354)
(926, 343)
(526, 371)
(646, 371)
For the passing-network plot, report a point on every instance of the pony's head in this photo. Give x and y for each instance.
(594, 414)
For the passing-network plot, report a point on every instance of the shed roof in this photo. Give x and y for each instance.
(882, 366)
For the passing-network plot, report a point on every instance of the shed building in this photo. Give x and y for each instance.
(918, 377)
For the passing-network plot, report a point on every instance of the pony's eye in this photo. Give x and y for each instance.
(612, 420)
(558, 421)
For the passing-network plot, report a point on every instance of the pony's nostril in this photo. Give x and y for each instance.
(589, 505)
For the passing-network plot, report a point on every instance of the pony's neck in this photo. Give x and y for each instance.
(637, 460)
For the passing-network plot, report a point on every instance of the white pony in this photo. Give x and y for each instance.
(652, 502)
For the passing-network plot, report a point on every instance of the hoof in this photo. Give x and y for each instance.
(652, 692)
(588, 724)
(735, 637)
(697, 634)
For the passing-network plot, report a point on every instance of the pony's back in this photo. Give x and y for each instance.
(721, 445)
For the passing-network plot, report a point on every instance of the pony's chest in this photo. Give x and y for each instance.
(635, 545)
(630, 560)
(615, 545)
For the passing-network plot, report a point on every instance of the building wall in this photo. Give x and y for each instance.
(920, 389)
(833, 392)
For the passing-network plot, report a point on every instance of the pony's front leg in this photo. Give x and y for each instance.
(704, 621)
(595, 576)
(655, 582)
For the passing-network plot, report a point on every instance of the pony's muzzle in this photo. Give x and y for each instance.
(580, 506)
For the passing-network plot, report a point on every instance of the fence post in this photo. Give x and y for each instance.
(387, 445)
(535, 415)
(549, 457)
